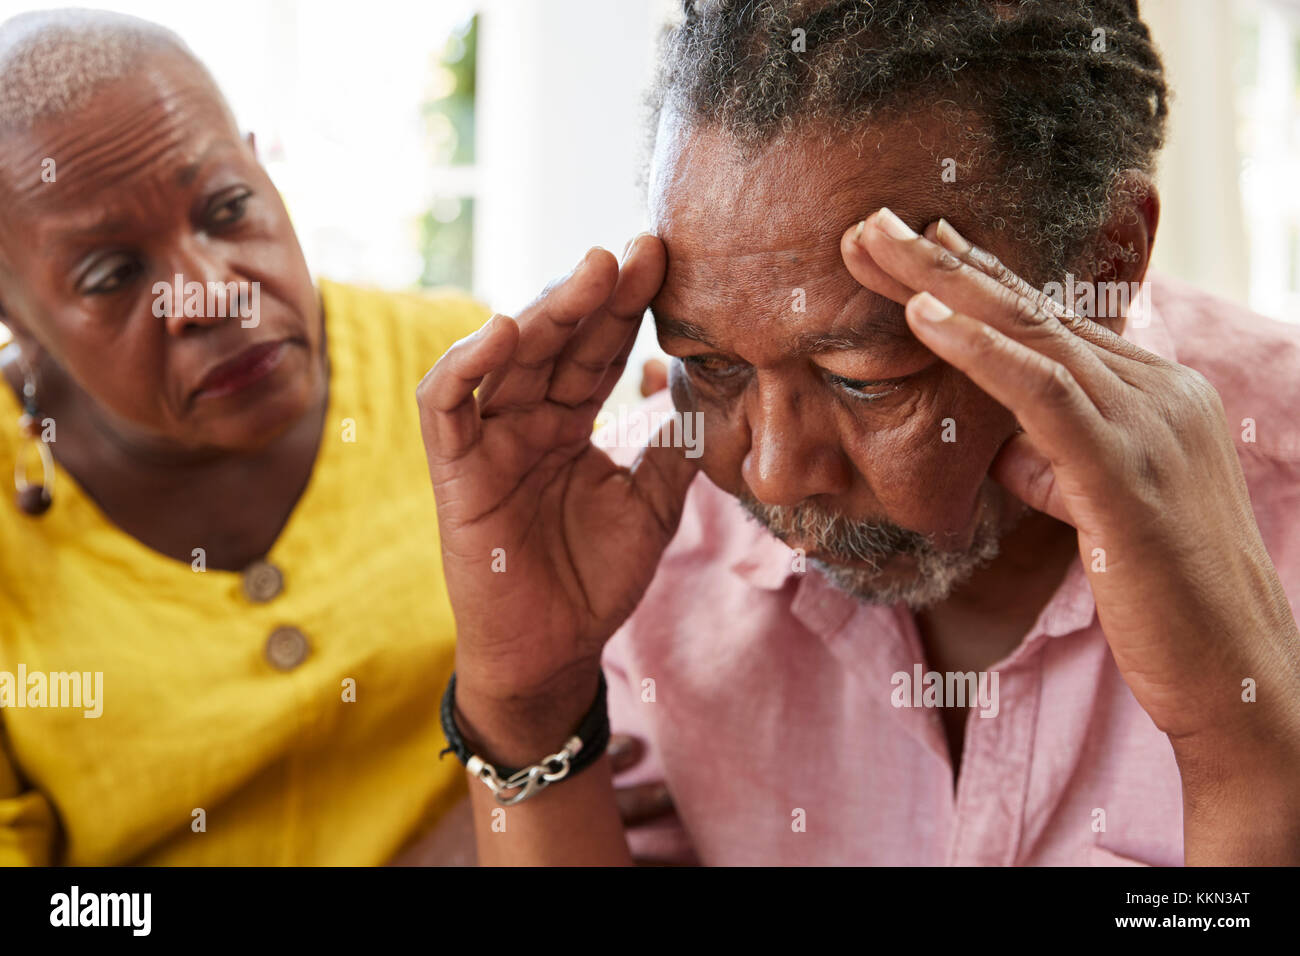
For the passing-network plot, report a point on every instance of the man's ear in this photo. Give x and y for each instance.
(1125, 240)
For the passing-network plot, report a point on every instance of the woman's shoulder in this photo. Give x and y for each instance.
(410, 330)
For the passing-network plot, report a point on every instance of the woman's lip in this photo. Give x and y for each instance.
(249, 366)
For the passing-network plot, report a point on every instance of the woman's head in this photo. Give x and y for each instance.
(121, 169)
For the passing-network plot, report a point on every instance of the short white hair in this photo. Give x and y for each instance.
(52, 62)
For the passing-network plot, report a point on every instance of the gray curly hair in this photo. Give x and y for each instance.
(1048, 101)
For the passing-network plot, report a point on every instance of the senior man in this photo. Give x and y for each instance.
(958, 476)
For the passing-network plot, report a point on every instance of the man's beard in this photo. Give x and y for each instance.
(937, 572)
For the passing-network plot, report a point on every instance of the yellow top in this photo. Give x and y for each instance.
(206, 752)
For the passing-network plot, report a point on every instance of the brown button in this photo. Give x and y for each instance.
(262, 582)
(286, 648)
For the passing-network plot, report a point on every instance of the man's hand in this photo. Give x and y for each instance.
(547, 544)
(1135, 453)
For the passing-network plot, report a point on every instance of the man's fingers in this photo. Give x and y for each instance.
(1027, 473)
(545, 327)
(865, 269)
(926, 266)
(944, 234)
(664, 470)
(1049, 403)
(643, 803)
(624, 751)
(602, 335)
(449, 415)
(654, 377)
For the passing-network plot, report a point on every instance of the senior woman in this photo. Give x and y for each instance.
(221, 608)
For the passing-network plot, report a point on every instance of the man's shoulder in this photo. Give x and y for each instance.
(1253, 361)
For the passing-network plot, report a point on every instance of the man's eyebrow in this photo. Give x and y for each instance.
(878, 331)
(679, 329)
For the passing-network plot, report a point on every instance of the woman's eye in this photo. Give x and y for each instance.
(231, 210)
(711, 366)
(110, 275)
(863, 391)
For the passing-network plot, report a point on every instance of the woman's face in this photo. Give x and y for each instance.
(151, 181)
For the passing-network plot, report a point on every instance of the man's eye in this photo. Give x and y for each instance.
(711, 366)
(863, 391)
(231, 210)
(110, 275)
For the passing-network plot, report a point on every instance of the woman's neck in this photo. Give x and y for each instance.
(175, 499)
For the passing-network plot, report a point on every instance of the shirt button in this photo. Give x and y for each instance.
(262, 582)
(286, 648)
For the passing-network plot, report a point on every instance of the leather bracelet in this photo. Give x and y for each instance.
(583, 748)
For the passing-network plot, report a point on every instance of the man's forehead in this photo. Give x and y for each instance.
(790, 194)
(755, 239)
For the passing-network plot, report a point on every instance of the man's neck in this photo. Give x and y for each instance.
(987, 617)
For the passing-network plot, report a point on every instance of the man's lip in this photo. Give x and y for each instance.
(250, 365)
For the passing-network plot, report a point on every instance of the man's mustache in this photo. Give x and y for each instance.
(834, 535)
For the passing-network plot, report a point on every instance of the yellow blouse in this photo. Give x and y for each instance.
(217, 743)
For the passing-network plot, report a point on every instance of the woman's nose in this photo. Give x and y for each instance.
(204, 291)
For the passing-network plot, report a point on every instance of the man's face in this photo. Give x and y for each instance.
(152, 180)
(822, 413)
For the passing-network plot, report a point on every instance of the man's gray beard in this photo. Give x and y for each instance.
(938, 572)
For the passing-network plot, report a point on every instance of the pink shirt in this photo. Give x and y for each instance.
(771, 713)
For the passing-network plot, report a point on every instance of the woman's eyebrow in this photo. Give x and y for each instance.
(190, 171)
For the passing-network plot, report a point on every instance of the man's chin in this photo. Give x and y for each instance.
(919, 581)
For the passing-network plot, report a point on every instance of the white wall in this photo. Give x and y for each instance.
(561, 134)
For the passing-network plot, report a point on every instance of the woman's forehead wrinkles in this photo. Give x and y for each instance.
(123, 132)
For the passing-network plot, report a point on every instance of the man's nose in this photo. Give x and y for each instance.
(194, 263)
(794, 447)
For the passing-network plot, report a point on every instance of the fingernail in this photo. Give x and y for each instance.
(892, 226)
(951, 239)
(928, 307)
(630, 243)
(618, 746)
(857, 233)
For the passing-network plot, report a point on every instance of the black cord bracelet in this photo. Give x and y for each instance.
(593, 731)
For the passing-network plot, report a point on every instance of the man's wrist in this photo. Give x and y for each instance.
(520, 729)
(1241, 793)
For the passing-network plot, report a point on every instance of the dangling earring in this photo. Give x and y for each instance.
(33, 499)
